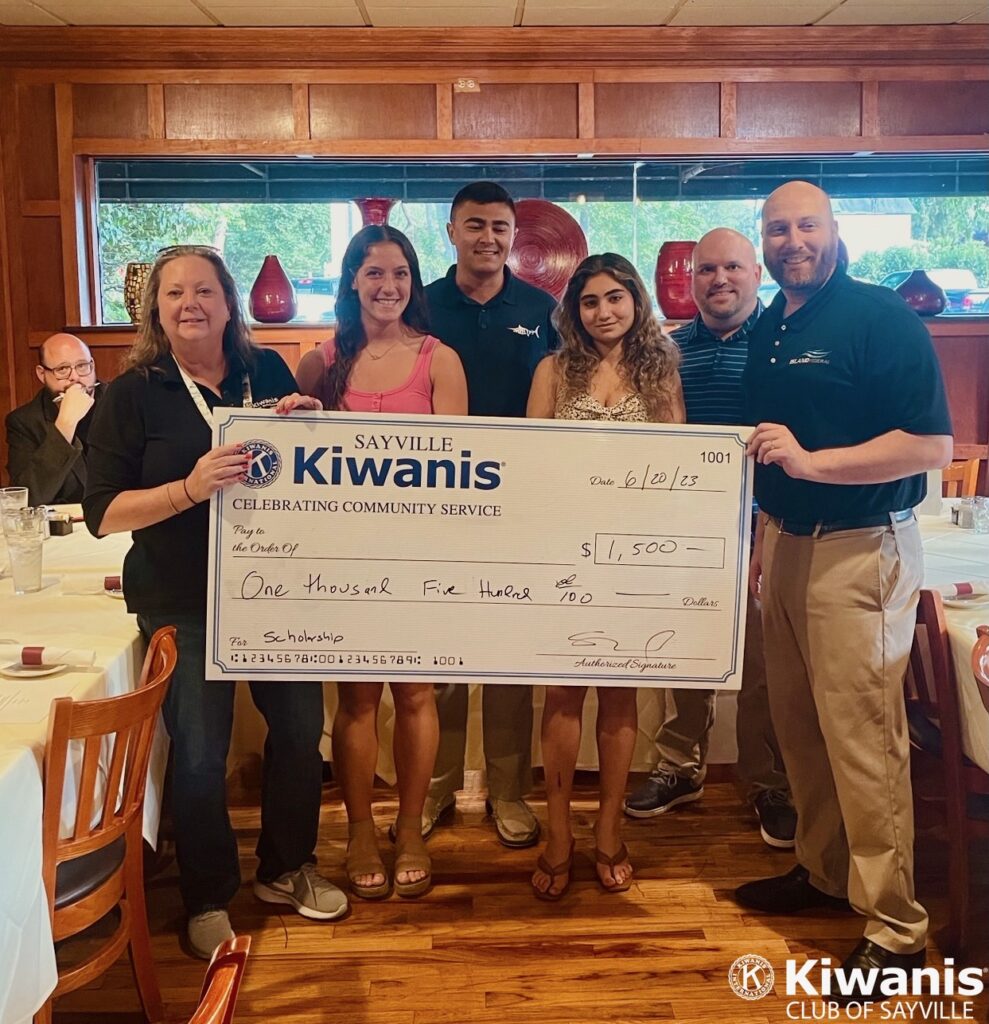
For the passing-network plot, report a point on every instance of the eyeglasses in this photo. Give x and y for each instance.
(190, 250)
(63, 370)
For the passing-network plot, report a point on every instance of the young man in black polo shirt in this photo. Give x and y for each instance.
(845, 387)
(500, 327)
(714, 348)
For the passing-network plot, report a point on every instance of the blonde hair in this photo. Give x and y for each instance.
(649, 359)
(151, 342)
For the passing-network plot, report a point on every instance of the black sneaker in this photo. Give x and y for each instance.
(791, 893)
(661, 792)
(777, 819)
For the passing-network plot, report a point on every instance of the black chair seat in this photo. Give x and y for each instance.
(76, 878)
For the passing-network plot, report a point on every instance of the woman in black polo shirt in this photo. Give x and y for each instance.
(151, 472)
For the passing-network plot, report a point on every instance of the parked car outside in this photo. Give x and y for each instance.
(316, 299)
(976, 302)
(955, 282)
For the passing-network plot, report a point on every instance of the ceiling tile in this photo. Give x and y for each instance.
(436, 16)
(715, 12)
(19, 12)
(121, 12)
(261, 12)
(597, 12)
(900, 12)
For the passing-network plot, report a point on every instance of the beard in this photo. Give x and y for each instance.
(803, 277)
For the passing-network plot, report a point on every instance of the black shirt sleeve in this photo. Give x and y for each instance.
(41, 464)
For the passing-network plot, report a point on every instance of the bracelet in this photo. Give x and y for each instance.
(168, 494)
(185, 487)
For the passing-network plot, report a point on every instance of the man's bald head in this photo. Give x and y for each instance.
(799, 239)
(65, 353)
(725, 279)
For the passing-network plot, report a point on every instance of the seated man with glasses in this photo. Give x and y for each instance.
(46, 438)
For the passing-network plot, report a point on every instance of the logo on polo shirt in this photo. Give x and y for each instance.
(265, 464)
(816, 357)
(525, 332)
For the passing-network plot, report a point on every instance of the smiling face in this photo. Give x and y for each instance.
(607, 310)
(799, 238)
(725, 279)
(482, 234)
(192, 308)
(383, 284)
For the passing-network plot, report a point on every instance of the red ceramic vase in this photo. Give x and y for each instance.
(272, 295)
(922, 295)
(674, 275)
(374, 211)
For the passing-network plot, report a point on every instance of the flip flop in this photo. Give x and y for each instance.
(612, 862)
(563, 868)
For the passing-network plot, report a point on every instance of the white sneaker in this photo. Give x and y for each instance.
(206, 931)
(311, 894)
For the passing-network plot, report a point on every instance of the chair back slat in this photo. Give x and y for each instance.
(960, 479)
(223, 977)
(86, 789)
(111, 802)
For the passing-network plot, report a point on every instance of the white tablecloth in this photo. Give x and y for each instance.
(27, 959)
(954, 555)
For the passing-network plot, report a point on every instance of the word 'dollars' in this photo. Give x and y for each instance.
(329, 466)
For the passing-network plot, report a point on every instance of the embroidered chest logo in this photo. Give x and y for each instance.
(525, 332)
(816, 357)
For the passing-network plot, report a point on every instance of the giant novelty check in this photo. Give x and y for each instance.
(421, 548)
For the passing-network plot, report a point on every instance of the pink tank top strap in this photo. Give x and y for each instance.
(420, 372)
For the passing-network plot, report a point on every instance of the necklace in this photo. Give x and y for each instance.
(381, 355)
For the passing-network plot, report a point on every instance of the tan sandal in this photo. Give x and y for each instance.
(363, 859)
(411, 855)
(612, 862)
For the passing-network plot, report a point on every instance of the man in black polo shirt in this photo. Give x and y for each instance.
(714, 348)
(500, 327)
(844, 385)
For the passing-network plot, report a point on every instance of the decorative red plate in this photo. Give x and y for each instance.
(549, 246)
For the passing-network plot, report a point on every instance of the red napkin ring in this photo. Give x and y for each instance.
(32, 656)
(112, 583)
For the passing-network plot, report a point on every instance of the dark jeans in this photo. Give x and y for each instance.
(199, 716)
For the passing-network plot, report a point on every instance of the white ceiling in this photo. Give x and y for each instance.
(500, 13)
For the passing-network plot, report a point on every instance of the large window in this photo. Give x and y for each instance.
(895, 214)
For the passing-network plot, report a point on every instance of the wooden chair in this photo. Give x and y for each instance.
(960, 479)
(223, 977)
(965, 785)
(99, 867)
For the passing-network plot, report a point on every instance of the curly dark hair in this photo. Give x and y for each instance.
(350, 336)
(649, 359)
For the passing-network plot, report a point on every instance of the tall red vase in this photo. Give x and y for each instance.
(674, 275)
(272, 295)
(374, 210)
(922, 295)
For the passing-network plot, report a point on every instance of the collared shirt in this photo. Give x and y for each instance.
(499, 342)
(147, 432)
(854, 362)
(711, 370)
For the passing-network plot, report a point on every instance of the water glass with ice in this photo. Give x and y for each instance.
(24, 529)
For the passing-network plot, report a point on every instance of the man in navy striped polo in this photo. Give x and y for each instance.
(714, 347)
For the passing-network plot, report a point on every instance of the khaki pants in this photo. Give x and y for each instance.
(839, 614)
(683, 737)
(506, 723)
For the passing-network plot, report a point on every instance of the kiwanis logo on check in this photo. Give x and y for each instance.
(265, 464)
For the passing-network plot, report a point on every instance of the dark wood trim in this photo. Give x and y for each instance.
(466, 49)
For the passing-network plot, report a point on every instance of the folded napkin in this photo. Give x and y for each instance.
(38, 657)
(90, 583)
(972, 588)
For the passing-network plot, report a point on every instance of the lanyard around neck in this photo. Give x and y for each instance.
(196, 395)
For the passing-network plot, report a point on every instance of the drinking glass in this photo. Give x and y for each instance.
(24, 529)
(12, 497)
(980, 515)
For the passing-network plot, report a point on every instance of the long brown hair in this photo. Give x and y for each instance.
(649, 359)
(151, 342)
(350, 336)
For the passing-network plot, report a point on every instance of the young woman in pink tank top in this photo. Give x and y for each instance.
(383, 359)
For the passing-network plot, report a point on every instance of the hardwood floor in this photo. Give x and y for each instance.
(478, 949)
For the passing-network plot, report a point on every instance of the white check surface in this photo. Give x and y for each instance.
(420, 548)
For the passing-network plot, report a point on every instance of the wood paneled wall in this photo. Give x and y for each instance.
(69, 95)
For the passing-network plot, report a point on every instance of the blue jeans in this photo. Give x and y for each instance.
(199, 716)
